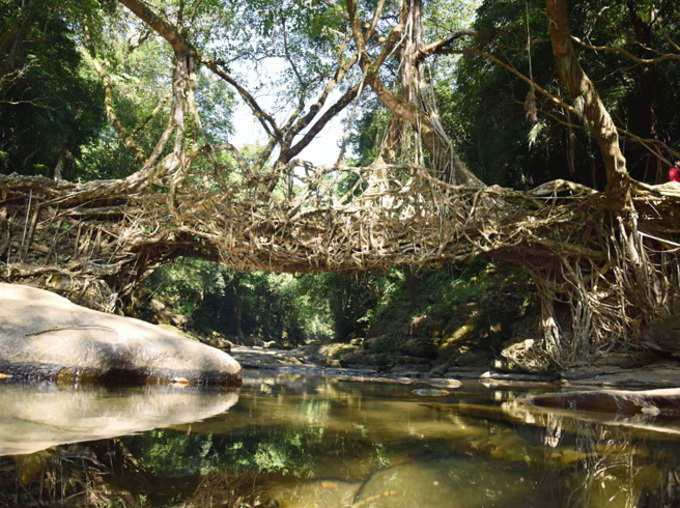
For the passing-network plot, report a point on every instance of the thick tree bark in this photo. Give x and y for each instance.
(588, 103)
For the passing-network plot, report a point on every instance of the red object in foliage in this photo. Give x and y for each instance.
(674, 174)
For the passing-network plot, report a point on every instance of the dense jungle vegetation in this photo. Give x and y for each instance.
(82, 92)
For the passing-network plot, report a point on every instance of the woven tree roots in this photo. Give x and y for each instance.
(601, 275)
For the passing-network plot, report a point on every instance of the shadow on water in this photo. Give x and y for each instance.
(294, 441)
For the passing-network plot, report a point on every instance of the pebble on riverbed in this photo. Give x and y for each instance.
(430, 392)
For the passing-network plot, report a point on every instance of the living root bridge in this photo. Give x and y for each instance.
(601, 275)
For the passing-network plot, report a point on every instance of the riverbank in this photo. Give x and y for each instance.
(316, 359)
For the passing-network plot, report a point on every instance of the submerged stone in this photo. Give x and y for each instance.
(315, 494)
(430, 392)
(45, 337)
(453, 482)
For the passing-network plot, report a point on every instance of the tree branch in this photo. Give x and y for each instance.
(630, 56)
(303, 122)
(267, 122)
(181, 45)
(336, 108)
(243, 164)
(125, 136)
(441, 45)
(158, 23)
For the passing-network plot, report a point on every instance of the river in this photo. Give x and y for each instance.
(292, 440)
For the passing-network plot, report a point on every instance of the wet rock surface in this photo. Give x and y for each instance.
(453, 482)
(596, 383)
(622, 402)
(652, 375)
(45, 337)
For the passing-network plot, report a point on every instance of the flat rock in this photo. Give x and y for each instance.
(655, 375)
(622, 402)
(44, 336)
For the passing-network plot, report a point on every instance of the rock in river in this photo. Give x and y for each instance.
(45, 337)
(622, 402)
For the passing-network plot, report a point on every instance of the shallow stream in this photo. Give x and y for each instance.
(306, 441)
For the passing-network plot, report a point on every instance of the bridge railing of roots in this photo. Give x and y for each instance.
(600, 275)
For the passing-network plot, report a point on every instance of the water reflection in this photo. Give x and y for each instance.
(35, 418)
(626, 461)
(304, 442)
(649, 424)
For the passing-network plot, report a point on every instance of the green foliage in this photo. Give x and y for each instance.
(449, 289)
(290, 46)
(327, 306)
(257, 304)
(49, 106)
(51, 99)
(290, 450)
(369, 129)
(431, 290)
(168, 453)
(637, 96)
(484, 108)
(140, 81)
(215, 102)
(348, 297)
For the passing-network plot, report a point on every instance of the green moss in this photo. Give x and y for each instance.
(462, 332)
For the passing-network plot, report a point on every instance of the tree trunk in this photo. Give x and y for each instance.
(586, 100)
(238, 320)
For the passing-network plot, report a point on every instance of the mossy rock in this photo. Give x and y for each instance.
(362, 358)
(337, 350)
(464, 332)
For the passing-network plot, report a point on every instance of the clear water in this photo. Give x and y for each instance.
(300, 441)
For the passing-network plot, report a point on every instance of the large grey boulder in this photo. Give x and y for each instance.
(44, 336)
